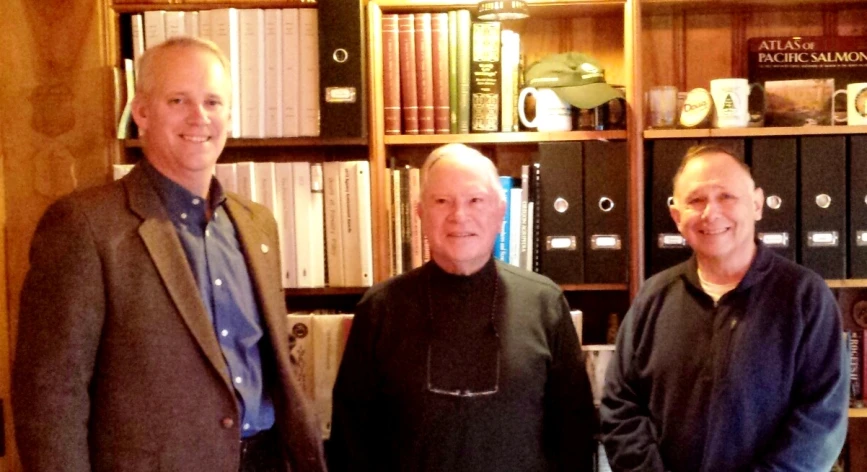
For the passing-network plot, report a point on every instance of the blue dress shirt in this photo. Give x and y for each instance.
(217, 261)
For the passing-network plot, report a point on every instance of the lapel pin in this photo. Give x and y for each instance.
(265, 249)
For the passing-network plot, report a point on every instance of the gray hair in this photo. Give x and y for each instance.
(465, 155)
(146, 64)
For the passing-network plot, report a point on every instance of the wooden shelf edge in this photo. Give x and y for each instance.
(857, 412)
(140, 6)
(847, 283)
(593, 287)
(753, 132)
(503, 138)
(275, 142)
(324, 291)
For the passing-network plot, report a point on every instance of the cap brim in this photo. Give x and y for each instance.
(588, 96)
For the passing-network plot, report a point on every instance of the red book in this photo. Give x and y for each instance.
(440, 63)
(408, 92)
(424, 72)
(391, 73)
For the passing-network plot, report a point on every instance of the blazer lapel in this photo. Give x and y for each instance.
(258, 247)
(168, 255)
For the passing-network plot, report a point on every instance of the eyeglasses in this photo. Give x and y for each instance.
(463, 393)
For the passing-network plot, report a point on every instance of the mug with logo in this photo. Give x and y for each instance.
(856, 103)
(731, 102)
(552, 113)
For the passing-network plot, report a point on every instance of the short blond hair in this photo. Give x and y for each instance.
(701, 150)
(146, 64)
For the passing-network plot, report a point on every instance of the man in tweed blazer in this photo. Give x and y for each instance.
(152, 333)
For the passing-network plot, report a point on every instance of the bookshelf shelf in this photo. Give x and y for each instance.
(719, 6)
(753, 132)
(503, 138)
(538, 8)
(138, 6)
(857, 412)
(847, 283)
(275, 142)
(594, 287)
(324, 291)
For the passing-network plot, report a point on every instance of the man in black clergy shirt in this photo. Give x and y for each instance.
(466, 363)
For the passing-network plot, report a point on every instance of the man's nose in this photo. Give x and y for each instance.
(198, 114)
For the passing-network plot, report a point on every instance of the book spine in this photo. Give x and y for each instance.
(317, 226)
(485, 77)
(224, 24)
(365, 224)
(303, 217)
(154, 28)
(464, 35)
(515, 226)
(397, 221)
(424, 72)
(138, 39)
(525, 226)
(284, 183)
(440, 66)
(309, 83)
(273, 67)
(252, 49)
(408, 91)
(175, 24)
(301, 350)
(501, 245)
(191, 24)
(333, 240)
(405, 220)
(415, 221)
(536, 190)
(391, 73)
(291, 75)
(453, 71)
(856, 364)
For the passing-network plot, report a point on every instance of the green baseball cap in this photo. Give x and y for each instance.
(576, 78)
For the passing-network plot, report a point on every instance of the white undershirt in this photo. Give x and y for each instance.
(715, 291)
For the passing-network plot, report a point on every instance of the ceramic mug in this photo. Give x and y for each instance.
(552, 113)
(856, 104)
(731, 102)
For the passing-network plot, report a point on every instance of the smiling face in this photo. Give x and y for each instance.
(461, 212)
(183, 114)
(716, 206)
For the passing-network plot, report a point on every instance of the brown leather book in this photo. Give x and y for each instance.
(408, 91)
(391, 73)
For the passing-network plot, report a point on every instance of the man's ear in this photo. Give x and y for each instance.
(758, 203)
(140, 113)
(674, 212)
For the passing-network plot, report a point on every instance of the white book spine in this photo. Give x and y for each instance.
(191, 24)
(309, 83)
(154, 28)
(264, 173)
(317, 226)
(362, 172)
(301, 190)
(349, 225)
(291, 72)
(206, 30)
(227, 175)
(226, 34)
(530, 239)
(252, 28)
(273, 101)
(247, 180)
(175, 25)
(333, 240)
(138, 39)
(284, 184)
(515, 227)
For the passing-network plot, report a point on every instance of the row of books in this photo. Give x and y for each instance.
(444, 73)
(322, 212)
(317, 342)
(857, 364)
(273, 54)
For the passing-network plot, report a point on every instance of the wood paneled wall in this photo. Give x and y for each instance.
(56, 120)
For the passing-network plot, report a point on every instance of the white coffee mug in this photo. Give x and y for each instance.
(856, 103)
(552, 113)
(731, 102)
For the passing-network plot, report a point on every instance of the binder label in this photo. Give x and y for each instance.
(566, 243)
(671, 240)
(775, 239)
(862, 238)
(340, 95)
(605, 241)
(822, 239)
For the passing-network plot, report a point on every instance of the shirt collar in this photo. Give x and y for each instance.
(761, 264)
(184, 206)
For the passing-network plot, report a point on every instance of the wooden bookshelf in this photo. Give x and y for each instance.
(275, 142)
(503, 138)
(753, 132)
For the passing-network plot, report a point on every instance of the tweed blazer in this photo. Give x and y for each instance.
(118, 367)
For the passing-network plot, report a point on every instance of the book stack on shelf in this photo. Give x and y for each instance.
(273, 55)
(444, 73)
